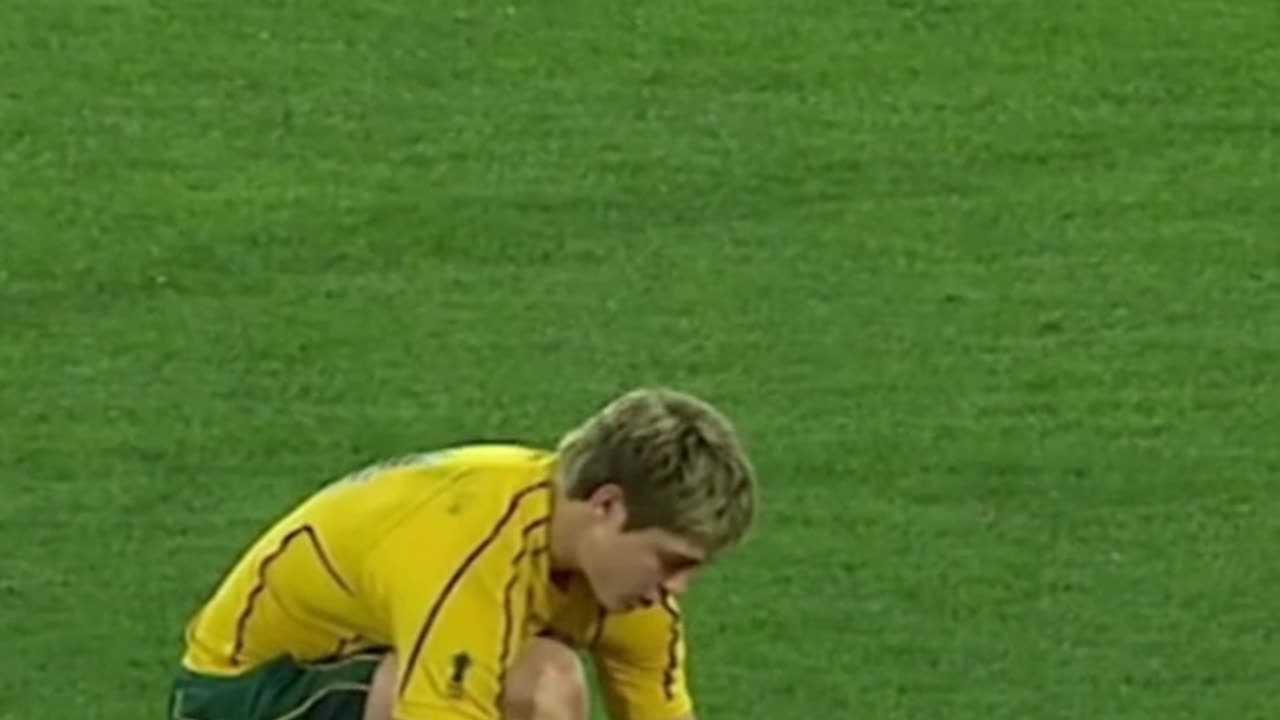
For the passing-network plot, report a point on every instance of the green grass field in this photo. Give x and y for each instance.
(993, 289)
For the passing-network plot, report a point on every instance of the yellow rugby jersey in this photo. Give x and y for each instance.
(442, 557)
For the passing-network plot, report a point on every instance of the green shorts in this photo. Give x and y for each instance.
(283, 689)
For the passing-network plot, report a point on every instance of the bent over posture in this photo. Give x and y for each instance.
(461, 584)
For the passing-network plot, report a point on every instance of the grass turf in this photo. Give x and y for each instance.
(992, 288)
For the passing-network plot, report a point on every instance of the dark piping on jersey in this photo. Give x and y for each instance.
(457, 576)
(243, 621)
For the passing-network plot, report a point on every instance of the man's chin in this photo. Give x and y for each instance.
(626, 606)
(618, 605)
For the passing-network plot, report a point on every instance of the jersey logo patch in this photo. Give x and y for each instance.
(458, 675)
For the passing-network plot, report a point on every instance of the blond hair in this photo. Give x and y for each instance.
(678, 461)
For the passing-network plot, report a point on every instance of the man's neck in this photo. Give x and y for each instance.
(564, 528)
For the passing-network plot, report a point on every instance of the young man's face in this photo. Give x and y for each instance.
(633, 569)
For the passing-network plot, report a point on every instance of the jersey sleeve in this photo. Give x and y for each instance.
(455, 587)
(641, 660)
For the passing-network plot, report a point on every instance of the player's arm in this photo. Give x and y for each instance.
(641, 656)
(456, 600)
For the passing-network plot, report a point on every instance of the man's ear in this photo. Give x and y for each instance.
(608, 503)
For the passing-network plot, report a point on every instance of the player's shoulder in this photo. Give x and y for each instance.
(481, 487)
(495, 455)
(492, 458)
(496, 464)
(501, 474)
(490, 470)
(508, 473)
